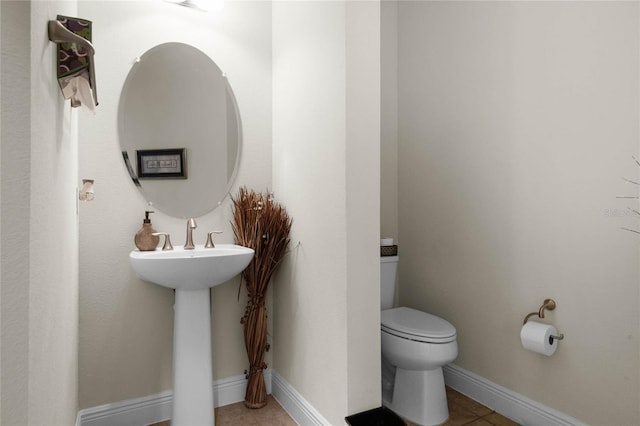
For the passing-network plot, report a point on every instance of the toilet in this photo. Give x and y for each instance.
(415, 347)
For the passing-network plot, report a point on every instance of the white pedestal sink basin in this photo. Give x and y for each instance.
(195, 269)
(192, 273)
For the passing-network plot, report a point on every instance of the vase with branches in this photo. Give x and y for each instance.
(262, 224)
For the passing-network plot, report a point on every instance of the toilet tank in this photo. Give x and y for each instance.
(388, 279)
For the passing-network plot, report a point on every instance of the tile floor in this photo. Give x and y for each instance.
(237, 414)
(466, 411)
(462, 411)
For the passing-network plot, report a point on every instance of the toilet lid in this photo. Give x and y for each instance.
(417, 325)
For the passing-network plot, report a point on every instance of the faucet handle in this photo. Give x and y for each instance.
(167, 240)
(209, 243)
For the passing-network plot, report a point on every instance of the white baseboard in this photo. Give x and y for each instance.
(133, 412)
(510, 404)
(293, 403)
(158, 407)
(231, 390)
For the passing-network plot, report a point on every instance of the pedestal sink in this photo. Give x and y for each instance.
(192, 273)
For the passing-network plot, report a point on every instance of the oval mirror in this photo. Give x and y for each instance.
(179, 130)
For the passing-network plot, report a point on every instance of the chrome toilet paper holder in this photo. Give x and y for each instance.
(550, 305)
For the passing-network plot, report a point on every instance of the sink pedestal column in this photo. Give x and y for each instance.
(192, 374)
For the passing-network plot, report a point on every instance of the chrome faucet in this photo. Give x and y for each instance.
(191, 225)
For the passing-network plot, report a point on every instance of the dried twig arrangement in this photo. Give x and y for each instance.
(263, 225)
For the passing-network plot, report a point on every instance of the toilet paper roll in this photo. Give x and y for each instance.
(536, 337)
(386, 241)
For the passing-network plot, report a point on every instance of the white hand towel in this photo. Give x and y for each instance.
(78, 89)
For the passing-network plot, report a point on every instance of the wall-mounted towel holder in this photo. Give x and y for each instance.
(73, 61)
(548, 304)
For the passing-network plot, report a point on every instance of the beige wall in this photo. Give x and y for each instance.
(126, 324)
(517, 121)
(362, 175)
(326, 171)
(15, 230)
(389, 120)
(39, 224)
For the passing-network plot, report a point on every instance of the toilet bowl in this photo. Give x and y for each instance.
(418, 345)
(415, 347)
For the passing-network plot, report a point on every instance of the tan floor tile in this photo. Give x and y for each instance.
(499, 420)
(462, 411)
(479, 422)
(237, 414)
(234, 415)
(459, 415)
(467, 403)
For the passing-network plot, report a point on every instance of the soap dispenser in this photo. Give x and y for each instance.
(144, 239)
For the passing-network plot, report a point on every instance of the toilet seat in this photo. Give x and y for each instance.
(416, 325)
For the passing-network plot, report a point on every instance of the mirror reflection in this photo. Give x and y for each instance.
(179, 130)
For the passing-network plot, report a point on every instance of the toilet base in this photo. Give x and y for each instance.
(420, 396)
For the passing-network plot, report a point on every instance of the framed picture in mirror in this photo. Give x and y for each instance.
(162, 163)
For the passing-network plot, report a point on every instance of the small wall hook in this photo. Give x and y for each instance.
(86, 193)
